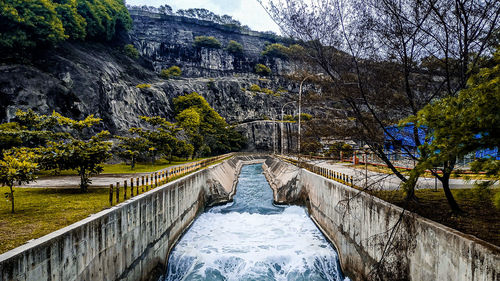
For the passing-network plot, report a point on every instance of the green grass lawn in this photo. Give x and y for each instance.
(39, 211)
(480, 217)
(124, 168)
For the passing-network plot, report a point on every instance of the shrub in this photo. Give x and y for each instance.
(143, 86)
(131, 51)
(304, 117)
(275, 50)
(173, 71)
(268, 91)
(255, 88)
(262, 69)
(288, 117)
(207, 42)
(234, 47)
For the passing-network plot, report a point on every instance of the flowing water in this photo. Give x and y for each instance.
(253, 239)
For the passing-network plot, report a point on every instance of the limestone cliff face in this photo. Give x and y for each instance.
(169, 40)
(270, 135)
(79, 79)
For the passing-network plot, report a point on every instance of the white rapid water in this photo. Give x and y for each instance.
(251, 239)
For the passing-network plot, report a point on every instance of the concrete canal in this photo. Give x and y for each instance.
(253, 239)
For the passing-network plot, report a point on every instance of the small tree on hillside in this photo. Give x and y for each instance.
(234, 47)
(17, 167)
(262, 69)
(173, 71)
(207, 42)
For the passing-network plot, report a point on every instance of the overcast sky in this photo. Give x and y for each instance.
(248, 12)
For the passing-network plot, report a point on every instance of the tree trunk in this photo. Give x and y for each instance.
(83, 181)
(12, 197)
(445, 180)
(133, 163)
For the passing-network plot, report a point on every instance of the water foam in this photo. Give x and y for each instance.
(265, 243)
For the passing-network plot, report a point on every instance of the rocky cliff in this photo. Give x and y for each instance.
(78, 79)
(168, 40)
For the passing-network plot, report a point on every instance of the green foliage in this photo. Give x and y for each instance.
(104, 17)
(454, 123)
(234, 47)
(17, 167)
(173, 71)
(207, 42)
(57, 142)
(84, 156)
(496, 200)
(262, 69)
(275, 50)
(304, 117)
(73, 23)
(207, 131)
(132, 147)
(288, 117)
(38, 23)
(162, 138)
(255, 88)
(143, 86)
(32, 129)
(131, 51)
(27, 24)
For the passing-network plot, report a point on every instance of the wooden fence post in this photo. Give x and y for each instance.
(131, 187)
(137, 186)
(111, 194)
(124, 190)
(117, 192)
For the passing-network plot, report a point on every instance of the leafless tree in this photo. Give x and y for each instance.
(387, 59)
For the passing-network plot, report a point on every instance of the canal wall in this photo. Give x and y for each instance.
(129, 241)
(360, 226)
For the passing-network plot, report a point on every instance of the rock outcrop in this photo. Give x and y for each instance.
(78, 79)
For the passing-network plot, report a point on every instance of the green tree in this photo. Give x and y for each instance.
(276, 50)
(207, 131)
(58, 141)
(207, 42)
(74, 24)
(133, 147)
(173, 71)
(162, 138)
(17, 167)
(234, 47)
(29, 24)
(84, 156)
(262, 69)
(104, 17)
(461, 124)
(131, 51)
(32, 129)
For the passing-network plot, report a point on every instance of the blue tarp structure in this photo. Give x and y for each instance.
(397, 137)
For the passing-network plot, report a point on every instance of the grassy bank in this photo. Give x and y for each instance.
(480, 217)
(40, 211)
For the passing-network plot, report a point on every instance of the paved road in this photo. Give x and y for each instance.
(103, 180)
(388, 182)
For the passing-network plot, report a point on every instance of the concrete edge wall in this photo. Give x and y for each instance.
(129, 241)
(359, 225)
